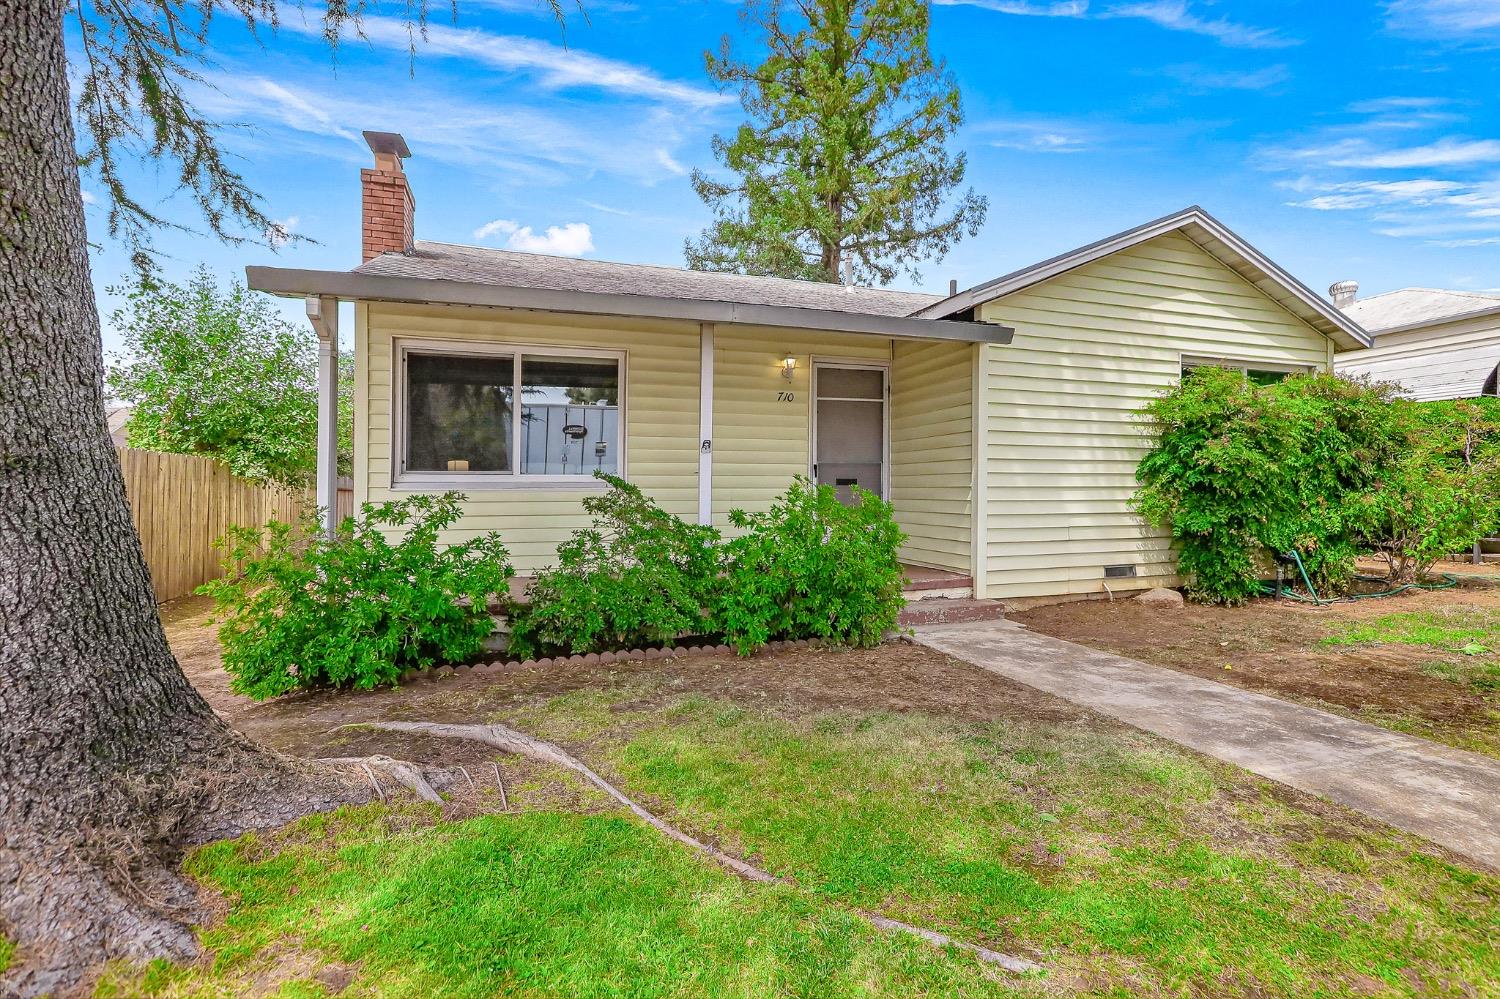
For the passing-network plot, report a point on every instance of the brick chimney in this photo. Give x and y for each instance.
(386, 199)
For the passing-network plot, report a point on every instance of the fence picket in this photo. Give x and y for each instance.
(181, 502)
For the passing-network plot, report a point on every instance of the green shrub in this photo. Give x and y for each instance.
(638, 576)
(299, 610)
(1442, 492)
(812, 567)
(1237, 470)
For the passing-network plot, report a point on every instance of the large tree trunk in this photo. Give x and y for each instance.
(109, 759)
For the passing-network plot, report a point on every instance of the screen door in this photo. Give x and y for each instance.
(849, 428)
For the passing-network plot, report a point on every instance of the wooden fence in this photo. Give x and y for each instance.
(180, 503)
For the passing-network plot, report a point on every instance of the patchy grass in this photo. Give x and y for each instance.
(7, 953)
(1125, 865)
(1471, 635)
(535, 904)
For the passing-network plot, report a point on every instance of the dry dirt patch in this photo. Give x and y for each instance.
(1274, 647)
(896, 677)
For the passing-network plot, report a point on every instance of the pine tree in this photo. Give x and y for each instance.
(842, 161)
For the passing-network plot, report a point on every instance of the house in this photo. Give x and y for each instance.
(1435, 344)
(999, 421)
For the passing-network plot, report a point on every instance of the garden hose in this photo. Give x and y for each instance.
(1449, 581)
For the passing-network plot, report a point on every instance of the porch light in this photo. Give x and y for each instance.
(788, 366)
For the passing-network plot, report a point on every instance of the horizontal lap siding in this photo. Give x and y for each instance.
(1445, 362)
(760, 441)
(661, 414)
(932, 451)
(1063, 438)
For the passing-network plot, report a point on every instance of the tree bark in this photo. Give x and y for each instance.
(110, 761)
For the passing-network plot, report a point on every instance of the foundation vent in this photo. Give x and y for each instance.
(1119, 571)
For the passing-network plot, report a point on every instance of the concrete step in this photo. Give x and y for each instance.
(950, 611)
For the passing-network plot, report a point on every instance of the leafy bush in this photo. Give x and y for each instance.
(638, 576)
(812, 567)
(1443, 489)
(300, 610)
(1236, 470)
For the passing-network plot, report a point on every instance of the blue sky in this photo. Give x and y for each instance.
(1347, 140)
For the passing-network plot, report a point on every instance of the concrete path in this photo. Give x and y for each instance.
(1447, 795)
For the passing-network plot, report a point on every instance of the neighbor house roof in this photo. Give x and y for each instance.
(1213, 237)
(1412, 307)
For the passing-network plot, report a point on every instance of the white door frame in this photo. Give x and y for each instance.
(867, 364)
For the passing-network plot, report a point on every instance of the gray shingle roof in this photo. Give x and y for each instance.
(1409, 306)
(508, 268)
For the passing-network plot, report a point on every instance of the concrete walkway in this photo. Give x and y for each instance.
(1447, 795)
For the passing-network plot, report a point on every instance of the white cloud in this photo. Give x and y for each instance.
(571, 240)
(1450, 19)
(1174, 15)
(555, 67)
(89, 198)
(1380, 105)
(1177, 15)
(1039, 136)
(1445, 152)
(281, 230)
(665, 159)
(1200, 78)
(504, 226)
(1023, 8)
(511, 143)
(1354, 195)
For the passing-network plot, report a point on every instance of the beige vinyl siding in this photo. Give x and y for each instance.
(932, 451)
(760, 440)
(1440, 361)
(660, 400)
(1062, 440)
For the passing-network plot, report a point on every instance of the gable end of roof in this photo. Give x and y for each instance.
(1211, 236)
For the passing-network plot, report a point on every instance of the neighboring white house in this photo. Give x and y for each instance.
(1435, 344)
(999, 421)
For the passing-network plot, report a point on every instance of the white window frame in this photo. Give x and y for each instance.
(401, 479)
(1242, 365)
(865, 364)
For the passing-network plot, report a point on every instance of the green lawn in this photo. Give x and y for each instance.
(1471, 635)
(1122, 864)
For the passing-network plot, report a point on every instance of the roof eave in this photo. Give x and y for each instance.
(1462, 317)
(1322, 316)
(352, 286)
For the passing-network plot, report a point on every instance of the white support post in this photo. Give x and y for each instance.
(706, 423)
(324, 316)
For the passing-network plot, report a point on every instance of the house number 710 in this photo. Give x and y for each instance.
(786, 397)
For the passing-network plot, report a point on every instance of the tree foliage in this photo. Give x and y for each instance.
(843, 155)
(218, 372)
(1320, 465)
(139, 65)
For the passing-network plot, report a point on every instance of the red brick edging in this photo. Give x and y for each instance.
(593, 659)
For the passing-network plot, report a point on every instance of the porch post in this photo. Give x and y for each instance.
(324, 316)
(705, 423)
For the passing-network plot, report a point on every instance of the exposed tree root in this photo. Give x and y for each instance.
(406, 774)
(518, 743)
